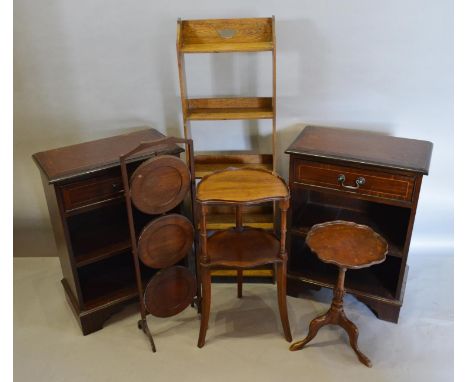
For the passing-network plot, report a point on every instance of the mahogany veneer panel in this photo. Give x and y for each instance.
(392, 186)
(363, 147)
(75, 160)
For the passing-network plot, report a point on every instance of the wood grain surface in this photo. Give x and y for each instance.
(75, 160)
(159, 184)
(347, 244)
(170, 291)
(241, 249)
(363, 147)
(165, 241)
(241, 185)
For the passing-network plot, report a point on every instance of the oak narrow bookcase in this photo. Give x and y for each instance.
(230, 36)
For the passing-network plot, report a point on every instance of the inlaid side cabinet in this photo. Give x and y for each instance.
(367, 178)
(84, 192)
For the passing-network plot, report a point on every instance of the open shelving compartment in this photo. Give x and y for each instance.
(230, 36)
(382, 281)
(102, 252)
(111, 280)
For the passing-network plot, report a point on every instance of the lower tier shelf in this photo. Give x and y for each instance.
(245, 273)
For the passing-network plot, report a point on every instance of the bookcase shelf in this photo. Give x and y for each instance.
(225, 36)
(206, 109)
(262, 46)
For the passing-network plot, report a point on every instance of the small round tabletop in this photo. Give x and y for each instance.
(347, 244)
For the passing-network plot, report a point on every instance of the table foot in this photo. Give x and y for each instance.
(353, 334)
(142, 325)
(314, 327)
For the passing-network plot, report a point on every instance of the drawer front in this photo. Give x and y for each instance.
(376, 183)
(91, 191)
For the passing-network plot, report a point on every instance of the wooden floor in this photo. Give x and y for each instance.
(244, 340)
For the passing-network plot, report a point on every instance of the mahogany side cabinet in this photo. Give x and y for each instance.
(367, 178)
(85, 197)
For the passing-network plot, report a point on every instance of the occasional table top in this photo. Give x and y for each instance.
(363, 147)
(347, 244)
(70, 161)
(241, 185)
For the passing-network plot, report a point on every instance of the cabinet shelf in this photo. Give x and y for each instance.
(386, 220)
(101, 253)
(378, 282)
(364, 284)
(206, 109)
(101, 234)
(113, 201)
(111, 281)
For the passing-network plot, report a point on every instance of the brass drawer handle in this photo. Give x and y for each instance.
(359, 182)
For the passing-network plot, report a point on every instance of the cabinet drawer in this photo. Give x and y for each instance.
(91, 191)
(375, 183)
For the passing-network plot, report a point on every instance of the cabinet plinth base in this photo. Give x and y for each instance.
(92, 320)
(382, 310)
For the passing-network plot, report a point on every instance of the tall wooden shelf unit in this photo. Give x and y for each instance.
(230, 36)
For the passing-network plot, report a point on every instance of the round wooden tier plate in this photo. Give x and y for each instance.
(159, 184)
(165, 241)
(170, 291)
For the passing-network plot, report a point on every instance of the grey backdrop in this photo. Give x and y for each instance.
(94, 68)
